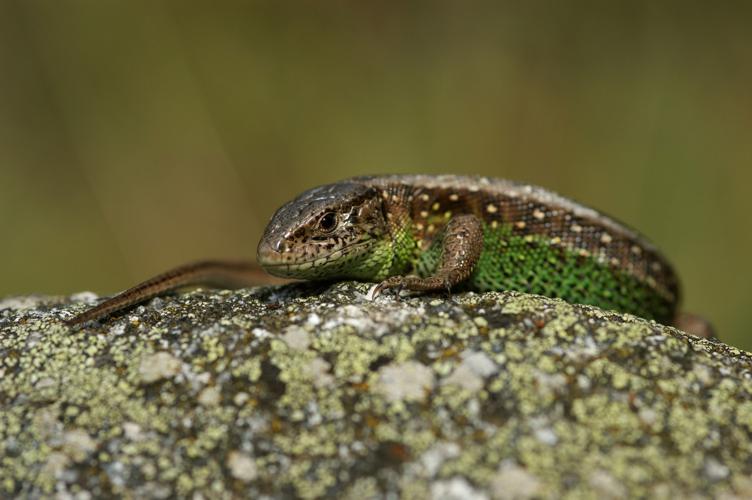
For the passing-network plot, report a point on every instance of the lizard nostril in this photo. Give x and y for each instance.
(270, 251)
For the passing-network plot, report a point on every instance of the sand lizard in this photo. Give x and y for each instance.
(445, 232)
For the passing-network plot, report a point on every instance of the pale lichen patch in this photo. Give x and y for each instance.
(158, 366)
(512, 482)
(242, 466)
(409, 381)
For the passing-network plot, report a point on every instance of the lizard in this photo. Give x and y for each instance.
(436, 233)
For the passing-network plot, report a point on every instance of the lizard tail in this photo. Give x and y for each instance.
(226, 274)
(696, 325)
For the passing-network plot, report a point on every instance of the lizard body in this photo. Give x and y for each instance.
(519, 237)
(425, 233)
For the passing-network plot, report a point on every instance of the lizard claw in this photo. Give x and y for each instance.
(392, 282)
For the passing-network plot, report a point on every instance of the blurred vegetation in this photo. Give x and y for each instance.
(138, 135)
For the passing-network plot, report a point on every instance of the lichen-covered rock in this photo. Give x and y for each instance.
(310, 391)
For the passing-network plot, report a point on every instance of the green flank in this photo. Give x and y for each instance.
(534, 265)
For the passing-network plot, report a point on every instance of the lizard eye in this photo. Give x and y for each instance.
(327, 222)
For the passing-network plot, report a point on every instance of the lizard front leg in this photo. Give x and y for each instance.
(460, 249)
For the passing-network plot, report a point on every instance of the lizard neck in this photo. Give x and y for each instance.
(403, 244)
(392, 254)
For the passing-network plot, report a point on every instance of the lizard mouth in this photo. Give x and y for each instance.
(271, 261)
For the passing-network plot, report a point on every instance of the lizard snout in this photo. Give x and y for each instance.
(270, 252)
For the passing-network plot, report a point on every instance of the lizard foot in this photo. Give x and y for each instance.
(393, 282)
(415, 283)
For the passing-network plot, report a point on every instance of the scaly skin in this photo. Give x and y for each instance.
(518, 237)
(427, 233)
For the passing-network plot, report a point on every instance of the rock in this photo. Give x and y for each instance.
(316, 391)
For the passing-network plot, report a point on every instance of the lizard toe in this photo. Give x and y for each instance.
(388, 284)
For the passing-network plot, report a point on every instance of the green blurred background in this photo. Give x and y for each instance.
(138, 135)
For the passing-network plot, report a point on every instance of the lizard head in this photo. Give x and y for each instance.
(329, 232)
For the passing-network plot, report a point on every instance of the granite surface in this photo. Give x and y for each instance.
(315, 390)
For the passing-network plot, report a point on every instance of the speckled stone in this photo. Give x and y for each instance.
(314, 390)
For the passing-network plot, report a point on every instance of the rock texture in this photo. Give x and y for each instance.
(311, 391)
